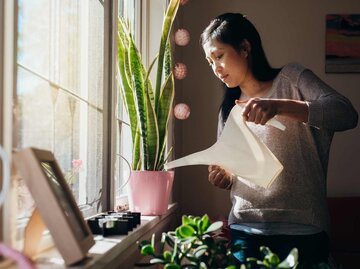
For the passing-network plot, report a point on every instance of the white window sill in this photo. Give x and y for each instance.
(114, 251)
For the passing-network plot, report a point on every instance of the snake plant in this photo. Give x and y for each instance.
(148, 108)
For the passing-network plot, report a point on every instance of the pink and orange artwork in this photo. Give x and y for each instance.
(342, 43)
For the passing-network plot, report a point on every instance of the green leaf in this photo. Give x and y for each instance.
(149, 89)
(164, 112)
(273, 259)
(124, 82)
(199, 251)
(139, 87)
(291, 260)
(136, 163)
(185, 220)
(164, 160)
(205, 223)
(153, 240)
(265, 251)
(171, 266)
(167, 23)
(187, 240)
(167, 255)
(192, 258)
(147, 250)
(185, 231)
(202, 266)
(157, 261)
(214, 227)
(152, 136)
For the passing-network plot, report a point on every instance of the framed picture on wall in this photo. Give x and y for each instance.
(342, 43)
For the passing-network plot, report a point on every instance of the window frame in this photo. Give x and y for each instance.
(8, 25)
(110, 39)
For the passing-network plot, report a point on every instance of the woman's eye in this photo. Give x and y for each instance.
(219, 57)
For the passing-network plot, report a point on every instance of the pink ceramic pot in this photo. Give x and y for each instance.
(150, 191)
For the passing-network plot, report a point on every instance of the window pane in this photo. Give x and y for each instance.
(127, 9)
(59, 94)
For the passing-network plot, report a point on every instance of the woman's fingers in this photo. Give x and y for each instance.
(259, 110)
(213, 167)
(219, 177)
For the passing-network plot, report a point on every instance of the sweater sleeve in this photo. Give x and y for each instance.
(328, 109)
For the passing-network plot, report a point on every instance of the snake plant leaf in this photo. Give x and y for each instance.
(162, 118)
(136, 163)
(127, 92)
(168, 21)
(152, 136)
(168, 59)
(148, 85)
(139, 87)
(164, 112)
(162, 160)
(152, 124)
(124, 37)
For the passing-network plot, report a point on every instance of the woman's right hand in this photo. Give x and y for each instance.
(219, 177)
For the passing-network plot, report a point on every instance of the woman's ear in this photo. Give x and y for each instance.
(246, 47)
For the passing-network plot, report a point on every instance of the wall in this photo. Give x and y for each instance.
(291, 31)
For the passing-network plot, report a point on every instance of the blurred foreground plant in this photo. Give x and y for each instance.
(196, 244)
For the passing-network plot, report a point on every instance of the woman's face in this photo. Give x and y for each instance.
(229, 65)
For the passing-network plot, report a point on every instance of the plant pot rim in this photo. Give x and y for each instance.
(152, 171)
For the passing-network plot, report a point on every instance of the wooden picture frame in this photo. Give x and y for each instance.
(55, 203)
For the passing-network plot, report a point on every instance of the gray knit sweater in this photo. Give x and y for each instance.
(298, 195)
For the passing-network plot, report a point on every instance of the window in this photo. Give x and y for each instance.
(61, 92)
(63, 97)
(127, 9)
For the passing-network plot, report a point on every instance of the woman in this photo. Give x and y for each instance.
(292, 212)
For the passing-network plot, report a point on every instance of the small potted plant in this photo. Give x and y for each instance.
(149, 111)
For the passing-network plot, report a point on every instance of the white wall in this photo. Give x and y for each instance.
(291, 31)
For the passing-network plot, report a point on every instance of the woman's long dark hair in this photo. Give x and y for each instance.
(233, 29)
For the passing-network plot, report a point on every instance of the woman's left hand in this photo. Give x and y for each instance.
(259, 110)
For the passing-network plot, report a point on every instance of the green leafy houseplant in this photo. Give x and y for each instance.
(148, 108)
(196, 244)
